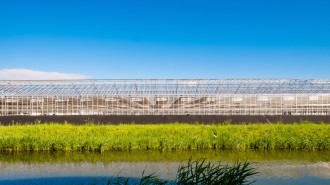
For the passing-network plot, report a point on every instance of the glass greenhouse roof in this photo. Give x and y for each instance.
(163, 86)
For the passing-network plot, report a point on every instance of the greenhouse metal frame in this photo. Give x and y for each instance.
(166, 97)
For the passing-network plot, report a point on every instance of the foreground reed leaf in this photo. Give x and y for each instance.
(200, 172)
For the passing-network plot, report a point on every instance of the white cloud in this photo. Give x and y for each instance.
(26, 74)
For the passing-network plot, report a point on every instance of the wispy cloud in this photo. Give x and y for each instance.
(26, 74)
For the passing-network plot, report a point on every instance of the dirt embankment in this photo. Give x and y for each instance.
(156, 119)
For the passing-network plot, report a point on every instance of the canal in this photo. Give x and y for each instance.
(275, 167)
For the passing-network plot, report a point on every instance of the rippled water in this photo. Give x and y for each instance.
(278, 167)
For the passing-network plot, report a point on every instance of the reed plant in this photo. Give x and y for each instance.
(200, 172)
(164, 137)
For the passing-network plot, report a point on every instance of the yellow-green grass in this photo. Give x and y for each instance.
(67, 137)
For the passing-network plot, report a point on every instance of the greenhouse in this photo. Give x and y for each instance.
(166, 97)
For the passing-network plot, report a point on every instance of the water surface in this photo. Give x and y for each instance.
(275, 167)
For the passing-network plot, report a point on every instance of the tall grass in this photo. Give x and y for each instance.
(59, 137)
(200, 173)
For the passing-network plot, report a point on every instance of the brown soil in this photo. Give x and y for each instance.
(156, 119)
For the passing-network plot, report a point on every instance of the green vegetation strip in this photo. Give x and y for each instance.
(165, 137)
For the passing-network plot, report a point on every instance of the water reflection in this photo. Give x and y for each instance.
(138, 156)
(276, 167)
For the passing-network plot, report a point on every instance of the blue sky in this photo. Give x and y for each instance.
(165, 39)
